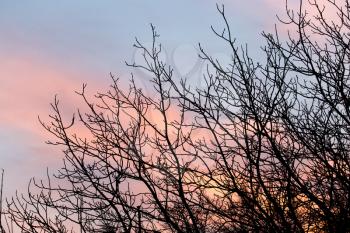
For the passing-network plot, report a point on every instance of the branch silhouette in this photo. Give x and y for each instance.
(262, 147)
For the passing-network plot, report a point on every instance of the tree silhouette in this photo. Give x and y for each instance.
(262, 147)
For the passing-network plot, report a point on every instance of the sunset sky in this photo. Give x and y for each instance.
(53, 47)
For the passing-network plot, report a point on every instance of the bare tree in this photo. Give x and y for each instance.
(263, 147)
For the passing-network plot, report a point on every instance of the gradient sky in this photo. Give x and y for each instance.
(53, 47)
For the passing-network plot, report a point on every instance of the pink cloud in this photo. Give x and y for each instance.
(279, 8)
(28, 86)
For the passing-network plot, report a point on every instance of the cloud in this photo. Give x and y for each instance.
(27, 86)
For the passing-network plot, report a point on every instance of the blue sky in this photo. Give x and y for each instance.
(52, 47)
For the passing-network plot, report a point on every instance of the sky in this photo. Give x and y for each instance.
(53, 47)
